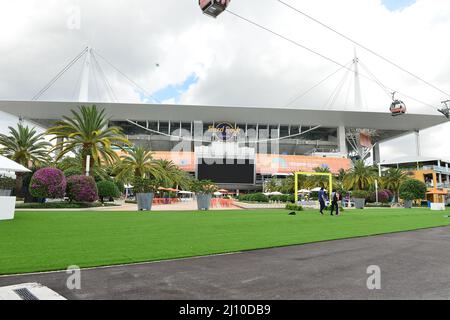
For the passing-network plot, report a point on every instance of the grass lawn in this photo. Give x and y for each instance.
(44, 241)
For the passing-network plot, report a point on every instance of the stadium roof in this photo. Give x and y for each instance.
(43, 110)
(413, 159)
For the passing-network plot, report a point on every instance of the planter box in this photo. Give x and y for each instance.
(408, 204)
(438, 206)
(7, 208)
(5, 193)
(359, 203)
(144, 201)
(204, 201)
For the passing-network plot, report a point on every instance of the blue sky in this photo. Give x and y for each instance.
(397, 4)
(173, 91)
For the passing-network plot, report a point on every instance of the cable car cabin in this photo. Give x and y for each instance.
(213, 8)
(397, 108)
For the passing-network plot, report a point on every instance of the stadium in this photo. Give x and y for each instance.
(240, 147)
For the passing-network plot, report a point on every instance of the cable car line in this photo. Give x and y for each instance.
(319, 54)
(363, 47)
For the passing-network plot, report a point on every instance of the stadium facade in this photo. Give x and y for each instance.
(240, 147)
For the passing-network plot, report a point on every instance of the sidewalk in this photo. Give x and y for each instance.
(181, 206)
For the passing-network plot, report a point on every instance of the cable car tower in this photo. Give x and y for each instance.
(445, 110)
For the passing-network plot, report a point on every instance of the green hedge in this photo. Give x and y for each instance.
(60, 205)
(254, 197)
(283, 198)
(294, 207)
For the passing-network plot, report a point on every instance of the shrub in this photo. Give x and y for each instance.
(259, 197)
(73, 172)
(390, 194)
(7, 183)
(282, 198)
(293, 207)
(48, 183)
(144, 185)
(383, 197)
(254, 197)
(360, 194)
(82, 189)
(203, 186)
(413, 190)
(107, 189)
(120, 186)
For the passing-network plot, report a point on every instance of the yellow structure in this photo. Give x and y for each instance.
(435, 173)
(330, 184)
(437, 191)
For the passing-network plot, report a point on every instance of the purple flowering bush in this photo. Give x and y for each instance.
(82, 189)
(48, 183)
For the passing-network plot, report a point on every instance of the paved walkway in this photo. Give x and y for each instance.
(181, 206)
(414, 265)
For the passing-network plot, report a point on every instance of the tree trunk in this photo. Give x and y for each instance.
(91, 165)
(19, 184)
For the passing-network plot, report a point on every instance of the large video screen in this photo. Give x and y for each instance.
(227, 171)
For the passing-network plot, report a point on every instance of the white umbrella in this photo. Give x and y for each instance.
(316, 189)
(276, 193)
(11, 166)
(304, 191)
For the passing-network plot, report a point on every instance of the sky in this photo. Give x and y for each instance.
(397, 4)
(180, 56)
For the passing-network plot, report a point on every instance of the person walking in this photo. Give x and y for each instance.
(335, 198)
(322, 199)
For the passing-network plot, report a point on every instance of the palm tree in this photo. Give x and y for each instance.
(360, 177)
(25, 146)
(322, 181)
(172, 176)
(138, 162)
(273, 185)
(87, 132)
(393, 178)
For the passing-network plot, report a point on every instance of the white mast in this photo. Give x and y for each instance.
(358, 98)
(84, 87)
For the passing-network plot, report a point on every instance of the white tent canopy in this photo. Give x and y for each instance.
(11, 166)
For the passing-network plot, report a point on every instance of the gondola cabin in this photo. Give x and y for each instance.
(213, 8)
(397, 108)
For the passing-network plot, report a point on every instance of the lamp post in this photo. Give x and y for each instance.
(88, 165)
(376, 191)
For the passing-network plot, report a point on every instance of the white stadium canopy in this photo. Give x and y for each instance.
(11, 166)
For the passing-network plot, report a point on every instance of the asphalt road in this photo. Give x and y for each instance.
(414, 265)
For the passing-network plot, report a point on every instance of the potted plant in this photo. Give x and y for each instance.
(204, 190)
(411, 190)
(7, 184)
(359, 196)
(144, 189)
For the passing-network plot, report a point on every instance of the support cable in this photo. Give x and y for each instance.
(363, 47)
(59, 75)
(319, 54)
(136, 85)
(296, 98)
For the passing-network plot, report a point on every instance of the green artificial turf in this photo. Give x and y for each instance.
(44, 241)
